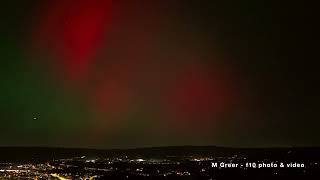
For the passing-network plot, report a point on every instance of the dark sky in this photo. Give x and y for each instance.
(122, 74)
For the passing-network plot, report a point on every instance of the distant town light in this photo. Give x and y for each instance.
(140, 160)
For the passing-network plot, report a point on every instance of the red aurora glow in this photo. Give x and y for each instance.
(73, 30)
(197, 94)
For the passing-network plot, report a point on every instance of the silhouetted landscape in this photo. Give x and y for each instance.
(25, 154)
(182, 162)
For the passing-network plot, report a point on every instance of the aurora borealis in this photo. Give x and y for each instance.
(118, 74)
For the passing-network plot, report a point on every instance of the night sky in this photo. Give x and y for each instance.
(124, 74)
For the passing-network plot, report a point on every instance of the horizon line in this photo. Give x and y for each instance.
(168, 146)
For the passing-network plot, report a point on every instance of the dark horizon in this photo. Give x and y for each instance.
(176, 162)
(160, 147)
